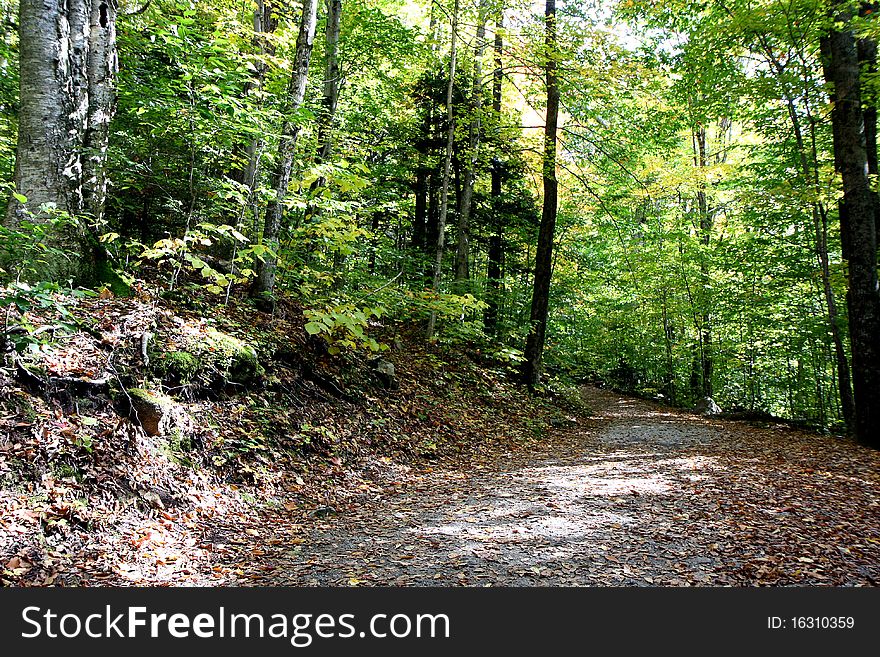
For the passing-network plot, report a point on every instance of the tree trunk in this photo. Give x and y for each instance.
(496, 241)
(326, 118)
(420, 216)
(264, 23)
(867, 54)
(447, 166)
(820, 229)
(462, 251)
(705, 328)
(422, 235)
(103, 65)
(264, 283)
(374, 241)
(68, 61)
(544, 254)
(433, 217)
(858, 225)
(331, 83)
(668, 340)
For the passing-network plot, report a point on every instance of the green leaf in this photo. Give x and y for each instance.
(313, 328)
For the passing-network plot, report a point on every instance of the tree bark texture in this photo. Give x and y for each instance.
(544, 254)
(858, 223)
(264, 283)
(68, 63)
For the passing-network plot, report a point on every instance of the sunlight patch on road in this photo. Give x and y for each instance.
(608, 478)
(568, 524)
(544, 506)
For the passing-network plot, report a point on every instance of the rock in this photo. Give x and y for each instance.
(237, 360)
(324, 512)
(178, 366)
(563, 422)
(707, 406)
(385, 372)
(210, 358)
(160, 498)
(385, 368)
(157, 413)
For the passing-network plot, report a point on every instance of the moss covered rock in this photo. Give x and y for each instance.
(105, 274)
(237, 360)
(156, 412)
(207, 357)
(178, 366)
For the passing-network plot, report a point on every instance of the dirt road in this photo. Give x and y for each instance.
(639, 496)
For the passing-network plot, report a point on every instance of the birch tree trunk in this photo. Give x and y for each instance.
(68, 66)
(264, 283)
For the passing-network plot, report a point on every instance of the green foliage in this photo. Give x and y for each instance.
(669, 257)
(28, 251)
(176, 254)
(459, 317)
(31, 248)
(344, 326)
(18, 298)
(8, 93)
(661, 261)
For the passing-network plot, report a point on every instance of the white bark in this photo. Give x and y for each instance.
(103, 66)
(265, 280)
(68, 65)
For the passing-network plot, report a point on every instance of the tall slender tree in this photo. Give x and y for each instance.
(332, 82)
(704, 365)
(857, 219)
(462, 251)
(447, 169)
(264, 283)
(265, 23)
(496, 240)
(544, 254)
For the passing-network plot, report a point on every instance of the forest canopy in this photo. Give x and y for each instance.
(675, 198)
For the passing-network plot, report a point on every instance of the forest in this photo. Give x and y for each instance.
(314, 261)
